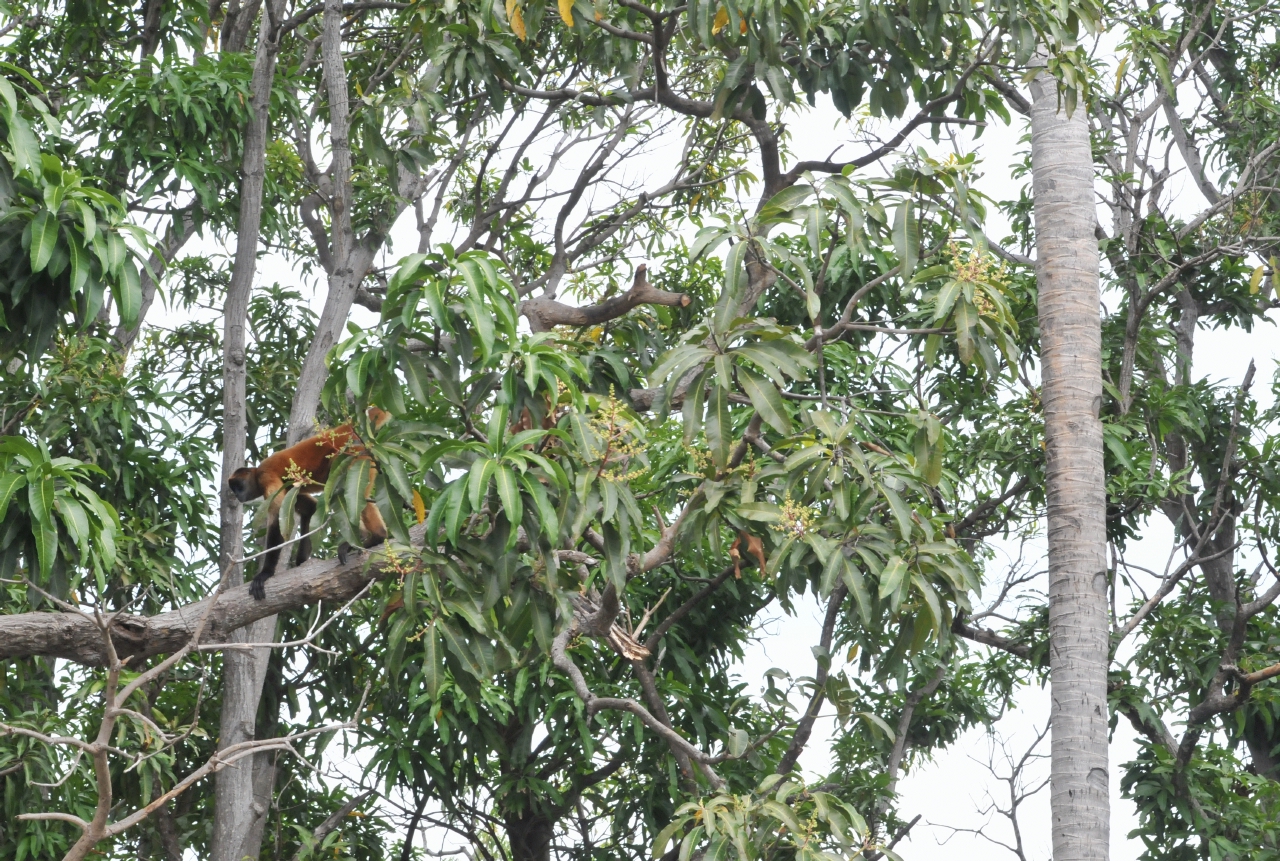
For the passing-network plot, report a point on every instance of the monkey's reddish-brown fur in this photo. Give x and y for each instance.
(310, 461)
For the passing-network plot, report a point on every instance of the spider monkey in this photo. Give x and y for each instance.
(308, 460)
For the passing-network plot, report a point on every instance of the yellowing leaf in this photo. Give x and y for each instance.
(419, 507)
(566, 12)
(1255, 280)
(722, 18)
(516, 17)
(742, 26)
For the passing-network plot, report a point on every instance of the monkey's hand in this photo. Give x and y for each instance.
(256, 588)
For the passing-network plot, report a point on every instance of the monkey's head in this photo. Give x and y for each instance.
(378, 417)
(244, 483)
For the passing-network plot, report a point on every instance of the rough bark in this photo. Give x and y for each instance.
(243, 672)
(1071, 368)
(75, 636)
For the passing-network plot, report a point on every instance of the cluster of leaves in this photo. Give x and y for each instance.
(780, 818)
(65, 240)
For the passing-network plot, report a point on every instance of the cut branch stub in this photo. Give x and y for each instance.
(544, 312)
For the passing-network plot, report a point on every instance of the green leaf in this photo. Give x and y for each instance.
(814, 222)
(76, 521)
(785, 201)
(509, 493)
(831, 572)
(128, 294)
(44, 238)
(892, 576)
(857, 584)
(432, 662)
(706, 241)
(46, 535)
(80, 265)
(906, 238)
(40, 495)
(10, 483)
(718, 428)
(766, 399)
(717, 849)
(356, 487)
(966, 320)
(781, 813)
(900, 510)
(663, 839)
(946, 299)
(453, 640)
(930, 596)
(478, 482)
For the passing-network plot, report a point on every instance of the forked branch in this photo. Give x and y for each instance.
(544, 313)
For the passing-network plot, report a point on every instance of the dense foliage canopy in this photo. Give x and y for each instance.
(660, 365)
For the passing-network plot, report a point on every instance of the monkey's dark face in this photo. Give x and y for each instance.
(244, 484)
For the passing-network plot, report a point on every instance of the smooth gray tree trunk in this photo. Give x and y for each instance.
(1071, 376)
(243, 671)
(344, 276)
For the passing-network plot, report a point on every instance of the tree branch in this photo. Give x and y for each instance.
(544, 313)
(74, 637)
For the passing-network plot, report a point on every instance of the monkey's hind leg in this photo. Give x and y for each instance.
(274, 539)
(374, 527)
(373, 531)
(306, 507)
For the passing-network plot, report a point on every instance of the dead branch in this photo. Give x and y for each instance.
(544, 313)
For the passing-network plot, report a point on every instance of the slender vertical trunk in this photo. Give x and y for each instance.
(243, 672)
(343, 277)
(1071, 361)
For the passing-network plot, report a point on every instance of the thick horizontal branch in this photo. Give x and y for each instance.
(75, 636)
(543, 313)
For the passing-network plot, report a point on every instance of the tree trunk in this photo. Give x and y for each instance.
(343, 277)
(1071, 363)
(242, 672)
(529, 836)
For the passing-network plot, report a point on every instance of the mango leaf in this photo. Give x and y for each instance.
(785, 201)
(79, 265)
(766, 399)
(10, 483)
(128, 293)
(900, 510)
(857, 584)
(906, 238)
(40, 495)
(46, 535)
(509, 493)
(892, 575)
(44, 238)
(455, 643)
(718, 428)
